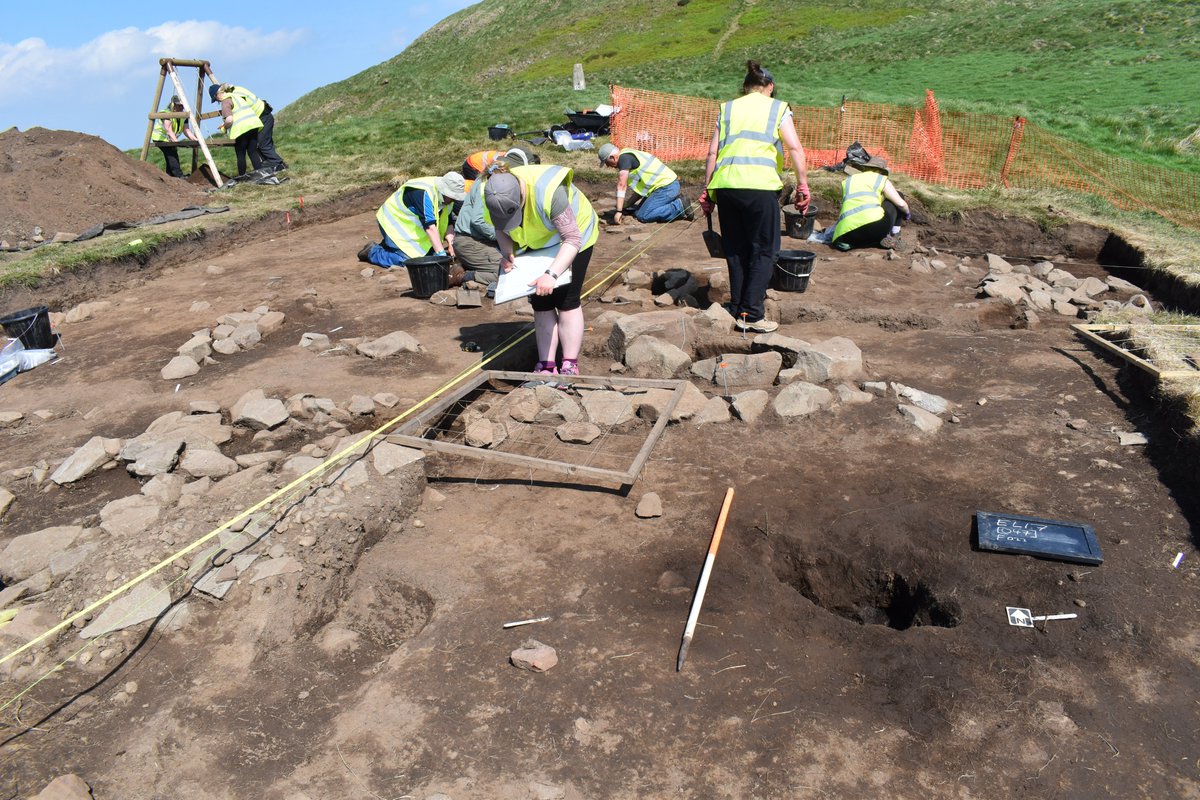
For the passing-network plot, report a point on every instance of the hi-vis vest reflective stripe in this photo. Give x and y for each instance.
(651, 173)
(246, 111)
(750, 153)
(160, 132)
(480, 161)
(537, 227)
(404, 227)
(861, 202)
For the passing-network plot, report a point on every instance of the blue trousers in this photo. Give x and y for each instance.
(386, 254)
(661, 205)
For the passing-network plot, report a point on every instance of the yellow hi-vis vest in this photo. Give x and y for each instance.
(246, 111)
(404, 227)
(537, 227)
(749, 150)
(862, 204)
(651, 173)
(160, 131)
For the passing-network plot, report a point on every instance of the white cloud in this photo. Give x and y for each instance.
(115, 62)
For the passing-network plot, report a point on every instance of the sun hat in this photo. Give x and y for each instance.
(502, 195)
(452, 185)
(606, 150)
(874, 164)
(517, 157)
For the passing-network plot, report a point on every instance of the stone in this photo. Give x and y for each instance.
(748, 406)
(84, 461)
(800, 399)
(226, 347)
(1065, 308)
(649, 507)
(6, 500)
(179, 367)
(787, 346)
(937, 264)
(920, 265)
(270, 322)
(1061, 278)
(44, 414)
(13, 594)
(1120, 284)
(848, 395)
(690, 404)
(534, 656)
(314, 341)
(246, 335)
(64, 562)
(836, 359)
(287, 565)
(258, 412)
(755, 370)
(30, 553)
(145, 601)
(715, 318)
(1078, 424)
(222, 332)
(1043, 301)
(480, 433)
(387, 457)
(1092, 287)
(196, 348)
(609, 409)
(237, 318)
(129, 516)
(361, 405)
(204, 407)
(921, 419)
(206, 463)
(386, 399)
(930, 402)
(997, 264)
(158, 455)
(1027, 319)
(65, 787)
(446, 297)
(199, 306)
(705, 368)
(577, 432)
(672, 326)
(384, 346)
(9, 419)
(1126, 439)
(714, 410)
(164, 488)
(651, 357)
(1006, 288)
(264, 457)
(85, 311)
(554, 404)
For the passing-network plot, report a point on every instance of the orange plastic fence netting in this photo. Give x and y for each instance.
(966, 151)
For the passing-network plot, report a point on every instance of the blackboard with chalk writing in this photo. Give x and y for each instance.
(1033, 536)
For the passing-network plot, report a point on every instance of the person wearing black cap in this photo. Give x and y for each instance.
(743, 179)
(537, 207)
(171, 130)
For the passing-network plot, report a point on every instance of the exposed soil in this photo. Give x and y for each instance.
(63, 181)
(853, 644)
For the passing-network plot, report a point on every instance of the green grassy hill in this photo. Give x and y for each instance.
(1114, 74)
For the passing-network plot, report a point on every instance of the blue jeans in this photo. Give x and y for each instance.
(661, 205)
(386, 254)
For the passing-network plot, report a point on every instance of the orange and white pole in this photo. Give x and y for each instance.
(698, 601)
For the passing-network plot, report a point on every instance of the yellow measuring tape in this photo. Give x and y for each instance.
(615, 268)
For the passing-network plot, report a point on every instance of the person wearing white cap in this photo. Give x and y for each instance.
(414, 221)
(537, 207)
(655, 186)
(871, 208)
(474, 237)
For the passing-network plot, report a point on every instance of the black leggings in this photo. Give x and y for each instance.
(247, 144)
(566, 298)
(869, 235)
(750, 236)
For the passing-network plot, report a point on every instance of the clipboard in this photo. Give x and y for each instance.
(526, 268)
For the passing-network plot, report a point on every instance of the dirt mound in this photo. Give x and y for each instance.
(67, 181)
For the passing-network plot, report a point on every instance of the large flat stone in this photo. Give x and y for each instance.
(384, 346)
(129, 516)
(258, 412)
(31, 553)
(651, 357)
(92, 455)
(609, 409)
(800, 399)
(675, 327)
(836, 359)
(742, 371)
(143, 602)
(387, 458)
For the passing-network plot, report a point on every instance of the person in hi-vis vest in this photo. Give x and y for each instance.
(417, 220)
(743, 179)
(240, 120)
(172, 130)
(655, 186)
(871, 208)
(537, 207)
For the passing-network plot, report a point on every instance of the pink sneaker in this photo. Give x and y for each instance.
(569, 368)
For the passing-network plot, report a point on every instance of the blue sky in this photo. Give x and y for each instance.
(93, 66)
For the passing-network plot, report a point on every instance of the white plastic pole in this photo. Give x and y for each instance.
(698, 601)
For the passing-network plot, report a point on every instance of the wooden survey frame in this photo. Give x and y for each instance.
(404, 435)
(167, 67)
(1092, 334)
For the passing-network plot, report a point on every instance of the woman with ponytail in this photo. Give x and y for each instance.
(743, 176)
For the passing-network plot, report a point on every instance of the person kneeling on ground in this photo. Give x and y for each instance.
(654, 183)
(474, 237)
(414, 221)
(871, 208)
(537, 207)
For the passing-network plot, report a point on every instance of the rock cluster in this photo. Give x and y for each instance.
(1043, 287)
(233, 333)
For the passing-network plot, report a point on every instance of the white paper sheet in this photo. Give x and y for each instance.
(526, 268)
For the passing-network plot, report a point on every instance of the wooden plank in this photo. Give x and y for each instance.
(1112, 348)
(153, 110)
(605, 381)
(212, 164)
(660, 425)
(1091, 333)
(508, 458)
(441, 406)
(182, 62)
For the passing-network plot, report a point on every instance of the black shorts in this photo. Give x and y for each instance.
(566, 298)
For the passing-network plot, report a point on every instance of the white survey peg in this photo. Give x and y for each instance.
(1024, 618)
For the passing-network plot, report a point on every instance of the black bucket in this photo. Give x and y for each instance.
(498, 132)
(429, 274)
(792, 270)
(797, 224)
(31, 326)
